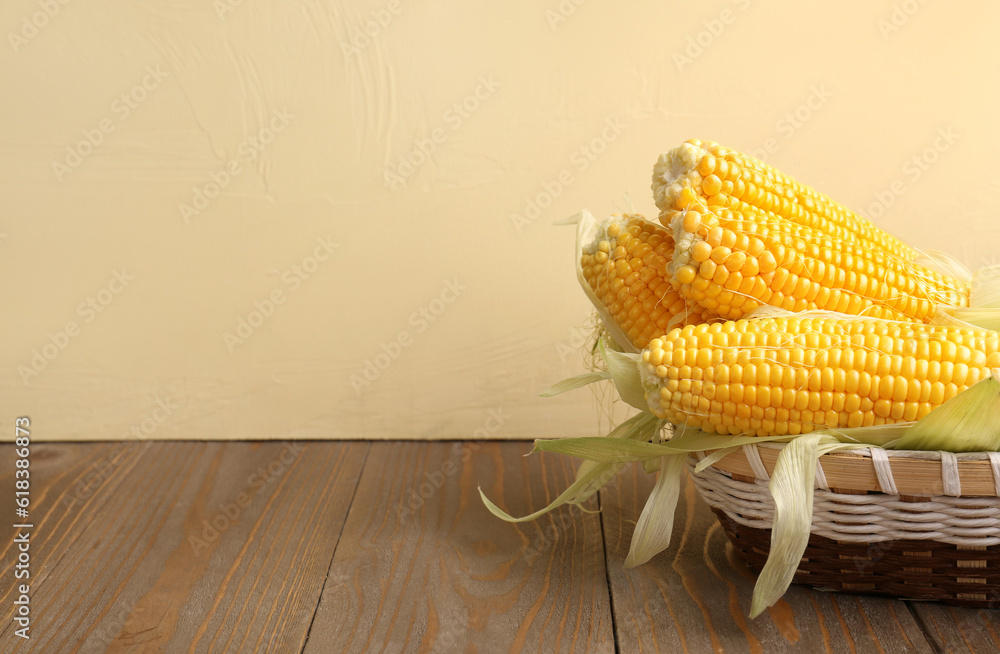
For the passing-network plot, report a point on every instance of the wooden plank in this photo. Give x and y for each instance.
(423, 566)
(956, 629)
(695, 597)
(69, 485)
(203, 545)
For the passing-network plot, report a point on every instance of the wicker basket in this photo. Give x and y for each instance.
(911, 525)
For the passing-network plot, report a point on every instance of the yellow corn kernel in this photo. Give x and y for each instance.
(761, 373)
(626, 269)
(808, 251)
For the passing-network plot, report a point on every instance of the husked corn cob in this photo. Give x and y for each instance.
(626, 267)
(748, 235)
(775, 376)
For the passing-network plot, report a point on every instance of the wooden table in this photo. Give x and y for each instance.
(355, 546)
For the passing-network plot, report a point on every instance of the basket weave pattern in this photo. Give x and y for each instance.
(932, 547)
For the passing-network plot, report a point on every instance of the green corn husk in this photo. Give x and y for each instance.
(791, 487)
(624, 370)
(968, 422)
(656, 522)
(574, 383)
(592, 474)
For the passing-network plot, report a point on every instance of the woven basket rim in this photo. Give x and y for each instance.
(915, 473)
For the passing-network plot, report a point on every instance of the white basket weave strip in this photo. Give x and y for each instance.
(880, 461)
(860, 518)
(752, 454)
(995, 465)
(949, 474)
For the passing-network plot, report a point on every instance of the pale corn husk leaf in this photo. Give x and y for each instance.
(588, 233)
(629, 207)
(978, 317)
(874, 435)
(656, 522)
(570, 220)
(582, 486)
(791, 487)
(642, 426)
(591, 476)
(715, 457)
(985, 290)
(575, 382)
(942, 318)
(984, 303)
(614, 345)
(599, 474)
(968, 422)
(699, 441)
(624, 369)
(649, 466)
(945, 264)
(604, 450)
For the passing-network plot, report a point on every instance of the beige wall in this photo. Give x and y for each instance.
(113, 252)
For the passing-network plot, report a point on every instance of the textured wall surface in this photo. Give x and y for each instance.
(327, 219)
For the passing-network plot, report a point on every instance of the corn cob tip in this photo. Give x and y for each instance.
(676, 170)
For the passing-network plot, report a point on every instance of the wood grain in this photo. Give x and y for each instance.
(956, 629)
(450, 576)
(351, 546)
(695, 597)
(209, 545)
(70, 483)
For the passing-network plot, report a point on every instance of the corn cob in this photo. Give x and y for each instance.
(625, 267)
(748, 235)
(776, 376)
